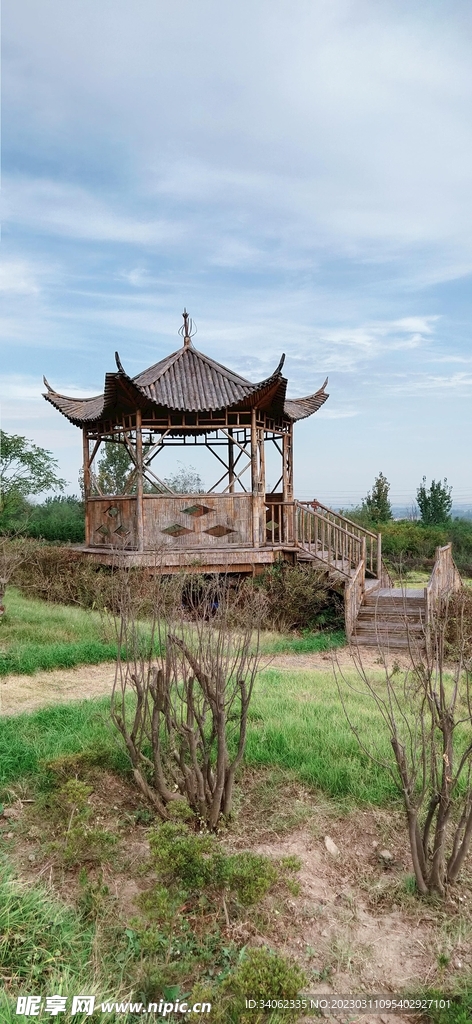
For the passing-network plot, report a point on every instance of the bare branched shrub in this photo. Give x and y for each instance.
(13, 553)
(299, 597)
(427, 712)
(182, 693)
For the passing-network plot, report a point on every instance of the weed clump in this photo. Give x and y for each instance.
(263, 976)
(77, 840)
(192, 863)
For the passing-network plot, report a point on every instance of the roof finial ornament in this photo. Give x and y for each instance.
(188, 329)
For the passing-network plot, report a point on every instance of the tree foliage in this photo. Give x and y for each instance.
(185, 480)
(376, 504)
(25, 469)
(116, 465)
(114, 468)
(434, 502)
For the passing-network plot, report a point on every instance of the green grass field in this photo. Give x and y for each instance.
(295, 723)
(296, 727)
(37, 635)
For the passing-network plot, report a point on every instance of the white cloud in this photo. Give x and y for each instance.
(18, 276)
(51, 207)
(460, 383)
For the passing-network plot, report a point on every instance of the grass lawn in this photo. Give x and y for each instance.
(40, 635)
(295, 723)
(77, 935)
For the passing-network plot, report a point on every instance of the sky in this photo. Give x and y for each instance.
(296, 173)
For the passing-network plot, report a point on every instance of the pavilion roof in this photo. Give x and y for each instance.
(185, 381)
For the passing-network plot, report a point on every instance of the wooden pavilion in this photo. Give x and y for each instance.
(189, 399)
(237, 526)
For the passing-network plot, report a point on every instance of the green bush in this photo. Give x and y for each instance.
(411, 542)
(57, 519)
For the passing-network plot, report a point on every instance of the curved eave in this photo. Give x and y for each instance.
(120, 395)
(300, 408)
(205, 390)
(77, 410)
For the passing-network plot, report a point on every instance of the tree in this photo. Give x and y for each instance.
(116, 465)
(435, 502)
(25, 469)
(185, 480)
(114, 468)
(376, 504)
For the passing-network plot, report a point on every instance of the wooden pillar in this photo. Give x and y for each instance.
(262, 485)
(254, 481)
(287, 486)
(139, 481)
(231, 461)
(87, 483)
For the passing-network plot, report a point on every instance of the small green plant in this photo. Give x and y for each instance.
(260, 974)
(191, 862)
(77, 840)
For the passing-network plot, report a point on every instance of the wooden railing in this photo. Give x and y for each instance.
(326, 535)
(327, 540)
(373, 541)
(443, 581)
(353, 598)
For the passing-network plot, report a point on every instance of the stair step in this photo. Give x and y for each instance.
(393, 643)
(386, 613)
(372, 601)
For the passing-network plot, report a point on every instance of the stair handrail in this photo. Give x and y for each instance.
(373, 553)
(333, 544)
(443, 581)
(315, 505)
(354, 595)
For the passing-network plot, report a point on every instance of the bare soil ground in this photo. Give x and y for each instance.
(29, 692)
(353, 926)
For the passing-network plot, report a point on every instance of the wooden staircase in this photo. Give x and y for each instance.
(376, 613)
(391, 618)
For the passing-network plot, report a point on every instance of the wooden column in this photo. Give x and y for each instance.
(287, 487)
(254, 481)
(231, 461)
(262, 485)
(87, 483)
(139, 482)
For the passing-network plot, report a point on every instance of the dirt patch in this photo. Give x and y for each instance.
(353, 925)
(29, 692)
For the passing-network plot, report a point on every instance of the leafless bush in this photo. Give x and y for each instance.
(191, 681)
(13, 553)
(427, 712)
(299, 597)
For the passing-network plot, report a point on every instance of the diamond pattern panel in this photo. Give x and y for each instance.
(197, 510)
(219, 531)
(176, 530)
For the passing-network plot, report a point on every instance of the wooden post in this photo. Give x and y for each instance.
(262, 485)
(139, 481)
(287, 486)
(379, 556)
(231, 461)
(254, 481)
(87, 482)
